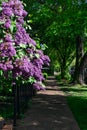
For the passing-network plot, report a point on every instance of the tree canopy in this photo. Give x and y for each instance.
(62, 25)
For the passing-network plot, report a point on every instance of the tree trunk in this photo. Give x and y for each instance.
(79, 55)
(63, 67)
(82, 66)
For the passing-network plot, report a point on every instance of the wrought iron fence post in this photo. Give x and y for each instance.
(22, 94)
(18, 101)
(15, 104)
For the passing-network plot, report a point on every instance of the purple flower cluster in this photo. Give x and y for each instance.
(43, 57)
(7, 65)
(13, 7)
(24, 66)
(30, 61)
(7, 23)
(7, 49)
(22, 37)
(38, 86)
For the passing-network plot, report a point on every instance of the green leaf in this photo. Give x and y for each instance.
(10, 90)
(2, 22)
(1, 73)
(37, 55)
(0, 8)
(23, 45)
(38, 46)
(11, 28)
(21, 54)
(44, 46)
(31, 80)
(31, 55)
(1, 41)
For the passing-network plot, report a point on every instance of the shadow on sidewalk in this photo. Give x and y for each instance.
(48, 112)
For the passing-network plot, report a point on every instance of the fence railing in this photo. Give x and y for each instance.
(22, 95)
(17, 101)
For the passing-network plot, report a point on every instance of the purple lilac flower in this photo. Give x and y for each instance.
(7, 24)
(2, 19)
(38, 86)
(46, 60)
(20, 20)
(31, 41)
(38, 62)
(7, 49)
(18, 12)
(5, 66)
(26, 66)
(9, 64)
(38, 74)
(24, 13)
(18, 8)
(8, 38)
(11, 3)
(14, 7)
(5, 4)
(40, 52)
(29, 51)
(16, 72)
(7, 11)
(22, 37)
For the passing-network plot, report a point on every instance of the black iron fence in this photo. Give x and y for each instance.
(17, 101)
(22, 95)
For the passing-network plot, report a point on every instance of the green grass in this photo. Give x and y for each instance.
(77, 100)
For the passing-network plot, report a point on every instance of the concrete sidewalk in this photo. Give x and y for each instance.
(49, 111)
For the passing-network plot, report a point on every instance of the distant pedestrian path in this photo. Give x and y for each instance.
(49, 111)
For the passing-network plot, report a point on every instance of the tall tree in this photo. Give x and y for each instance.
(62, 25)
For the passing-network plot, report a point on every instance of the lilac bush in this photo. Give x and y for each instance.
(18, 52)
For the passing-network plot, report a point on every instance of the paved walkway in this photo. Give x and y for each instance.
(49, 111)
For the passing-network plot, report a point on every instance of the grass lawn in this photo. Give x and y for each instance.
(77, 100)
